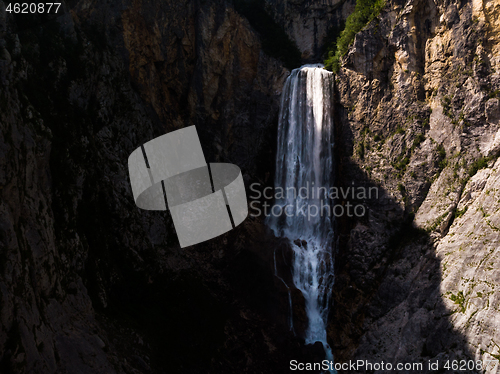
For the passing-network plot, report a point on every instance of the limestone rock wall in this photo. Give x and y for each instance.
(418, 103)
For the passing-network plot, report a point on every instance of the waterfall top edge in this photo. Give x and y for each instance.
(312, 67)
(318, 65)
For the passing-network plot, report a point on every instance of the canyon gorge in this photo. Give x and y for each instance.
(89, 283)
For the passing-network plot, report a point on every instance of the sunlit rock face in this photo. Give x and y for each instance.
(419, 91)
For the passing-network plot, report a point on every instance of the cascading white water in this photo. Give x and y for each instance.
(304, 171)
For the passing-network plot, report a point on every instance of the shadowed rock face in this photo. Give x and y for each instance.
(89, 283)
(80, 91)
(308, 23)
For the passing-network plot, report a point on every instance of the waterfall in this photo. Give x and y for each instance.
(304, 172)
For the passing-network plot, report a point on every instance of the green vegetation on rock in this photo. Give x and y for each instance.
(461, 212)
(443, 162)
(459, 299)
(477, 165)
(364, 12)
(417, 141)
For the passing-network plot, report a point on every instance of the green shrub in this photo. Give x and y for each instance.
(460, 212)
(447, 108)
(442, 164)
(401, 164)
(494, 94)
(459, 299)
(361, 150)
(441, 151)
(364, 12)
(418, 139)
(399, 131)
(477, 165)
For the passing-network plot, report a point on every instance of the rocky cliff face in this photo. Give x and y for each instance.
(419, 112)
(310, 23)
(88, 282)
